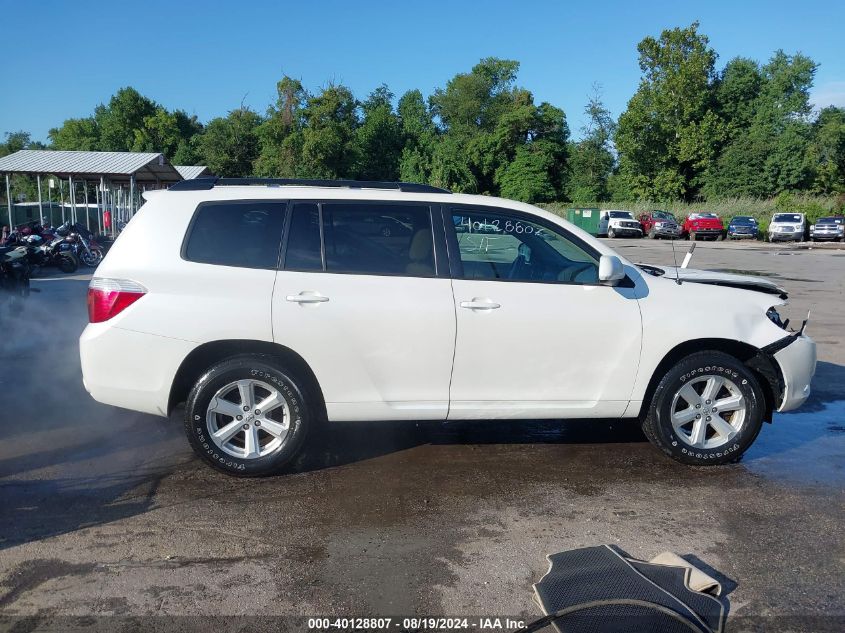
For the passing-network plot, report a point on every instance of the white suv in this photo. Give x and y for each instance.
(787, 226)
(269, 306)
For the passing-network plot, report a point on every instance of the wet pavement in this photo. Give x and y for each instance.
(106, 514)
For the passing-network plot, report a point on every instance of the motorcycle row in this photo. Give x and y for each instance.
(29, 248)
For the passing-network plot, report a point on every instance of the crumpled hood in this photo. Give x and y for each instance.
(731, 280)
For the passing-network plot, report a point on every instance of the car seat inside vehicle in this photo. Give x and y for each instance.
(419, 254)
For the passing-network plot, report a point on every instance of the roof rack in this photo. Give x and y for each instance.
(199, 184)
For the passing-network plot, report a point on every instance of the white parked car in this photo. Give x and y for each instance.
(265, 309)
(787, 227)
(619, 224)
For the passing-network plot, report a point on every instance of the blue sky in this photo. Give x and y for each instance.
(60, 59)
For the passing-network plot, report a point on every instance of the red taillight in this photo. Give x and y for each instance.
(109, 297)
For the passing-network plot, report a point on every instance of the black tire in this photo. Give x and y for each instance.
(657, 424)
(257, 367)
(68, 263)
(611, 233)
(652, 234)
(693, 236)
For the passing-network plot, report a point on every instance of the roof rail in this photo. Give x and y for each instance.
(199, 184)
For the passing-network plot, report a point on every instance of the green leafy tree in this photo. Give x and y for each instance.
(492, 134)
(420, 138)
(669, 133)
(826, 153)
(120, 120)
(592, 161)
(280, 135)
(230, 145)
(328, 139)
(379, 138)
(737, 90)
(76, 134)
(169, 133)
(769, 129)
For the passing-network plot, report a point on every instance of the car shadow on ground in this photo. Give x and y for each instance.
(338, 444)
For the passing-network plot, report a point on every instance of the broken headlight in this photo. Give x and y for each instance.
(774, 317)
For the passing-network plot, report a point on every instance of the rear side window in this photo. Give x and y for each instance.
(242, 234)
(378, 239)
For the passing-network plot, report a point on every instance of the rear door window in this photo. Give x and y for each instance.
(378, 239)
(239, 233)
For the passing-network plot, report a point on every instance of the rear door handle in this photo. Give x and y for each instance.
(307, 297)
(480, 304)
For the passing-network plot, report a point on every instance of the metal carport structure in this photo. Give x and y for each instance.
(189, 172)
(119, 178)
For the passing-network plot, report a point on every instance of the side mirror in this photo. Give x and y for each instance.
(610, 270)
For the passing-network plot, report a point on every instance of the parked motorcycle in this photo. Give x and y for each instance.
(84, 245)
(54, 253)
(15, 272)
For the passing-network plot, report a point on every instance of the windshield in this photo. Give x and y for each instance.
(663, 215)
(621, 214)
(702, 216)
(787, 217)
(742, 219)
(830, 221)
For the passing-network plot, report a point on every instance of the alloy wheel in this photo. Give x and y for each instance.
(248, 419)
(708, 411)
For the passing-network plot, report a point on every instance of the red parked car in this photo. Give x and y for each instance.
(657, 224)
(703, 225)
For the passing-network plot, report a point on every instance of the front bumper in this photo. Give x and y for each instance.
(797, 365)
(786, 235)
(706, 232)
(737, 236)
(825, 236)
(667, 232)
(626, 230)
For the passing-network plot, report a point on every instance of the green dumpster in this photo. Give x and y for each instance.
(587, 219)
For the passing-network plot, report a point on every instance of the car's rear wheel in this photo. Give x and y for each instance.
(247, 416)
(707, 409)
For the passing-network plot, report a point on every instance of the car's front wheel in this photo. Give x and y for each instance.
(611, 233)
(247, 416)
(707, 409)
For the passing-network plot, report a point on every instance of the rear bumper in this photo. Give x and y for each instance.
(797, 364)
(130, 369)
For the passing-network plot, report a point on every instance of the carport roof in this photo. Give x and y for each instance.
(192, 171)
(116, 166)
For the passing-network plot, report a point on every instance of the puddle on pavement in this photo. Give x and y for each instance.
(804, 447)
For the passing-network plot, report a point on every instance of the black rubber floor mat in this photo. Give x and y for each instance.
(600, 591)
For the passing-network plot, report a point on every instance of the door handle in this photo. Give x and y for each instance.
(478, 304)
(303, 297)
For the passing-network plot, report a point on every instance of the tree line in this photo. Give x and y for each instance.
(691, 132)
